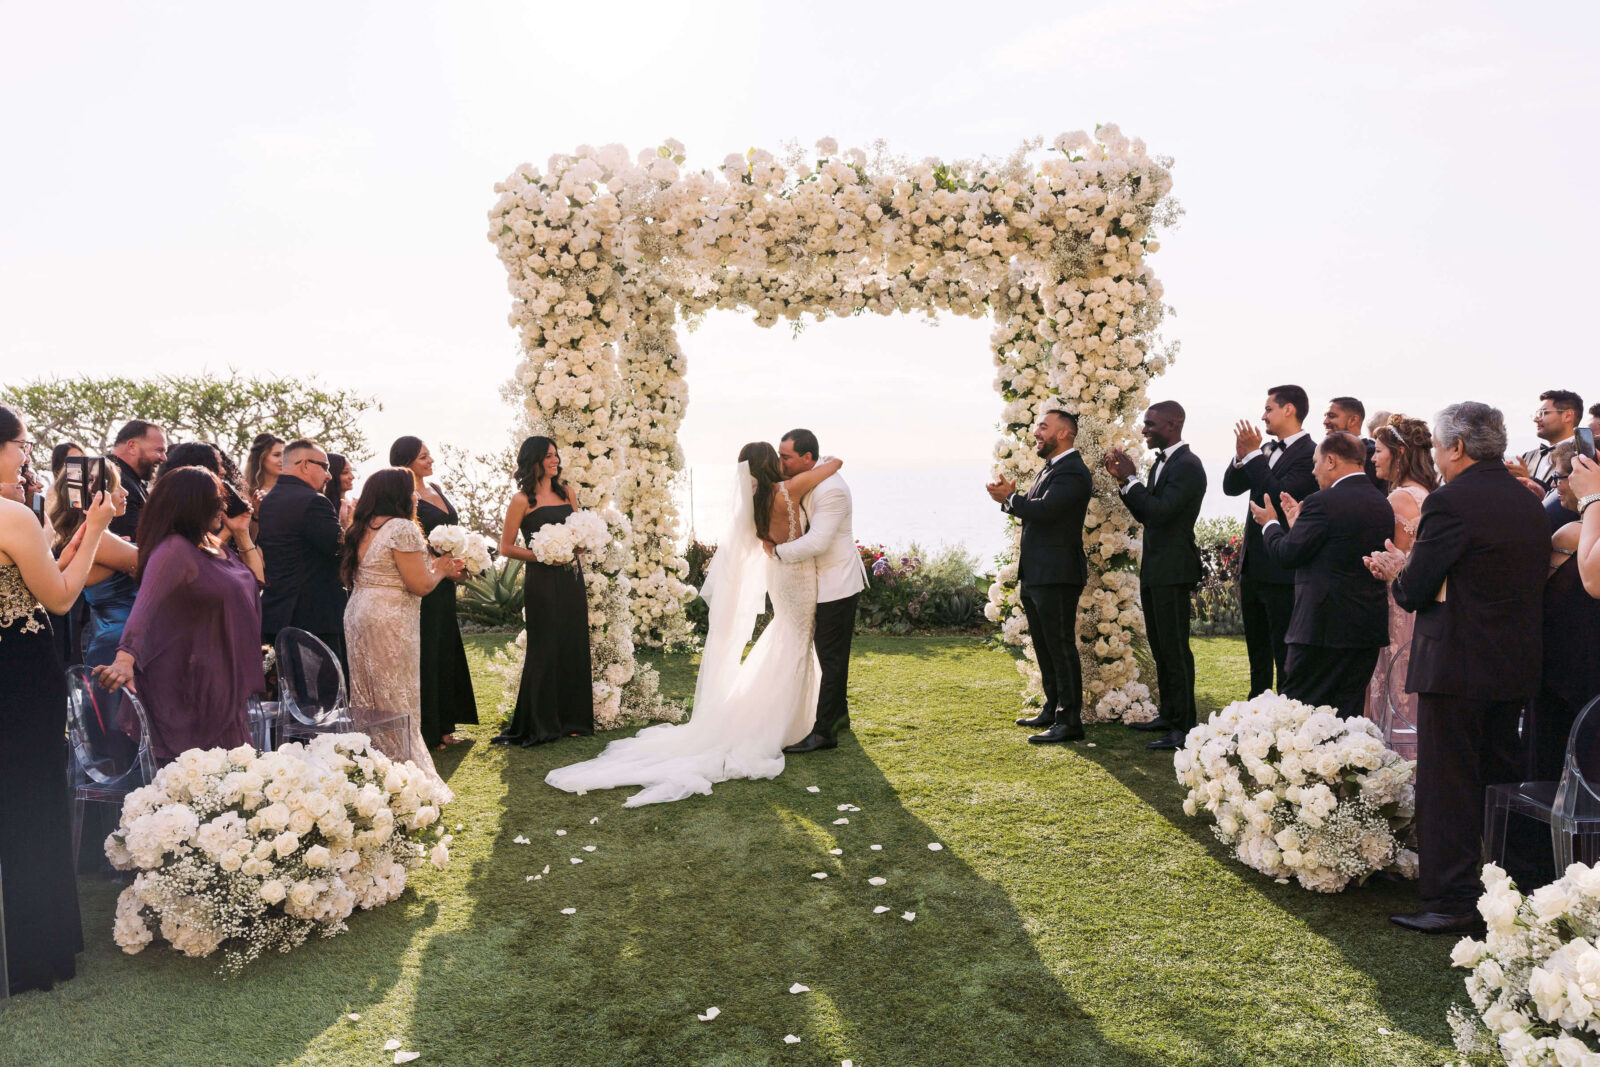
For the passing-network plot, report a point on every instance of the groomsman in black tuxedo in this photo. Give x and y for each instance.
(1346, 414)
(1558, 418)
(1475, 579)
(1341, 612)
(300, 538)
(1170, 568)
(1053, 570)
(1265, 472)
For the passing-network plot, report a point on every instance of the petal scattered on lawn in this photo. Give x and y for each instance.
(798, 988)
(588, 848)
(847, 1063)
(530, 877)
(1385, 1032)
(820, 875)
(877, 881)
(594, 821)
(561, 833)
(353, 1017)
(711, 1013)
(460, 827)
(538, 878)
(391, 1044)
(934, 846)
(569, 911)
(841, 822)
(812, 789)
(520, 840)
(836, 852)
(576, 860)
(880, 909)
(876, 848)
(790, 1039)
(1091, 744)
(909, 916)
(406, 1057)
(583, 792)
(546, 869)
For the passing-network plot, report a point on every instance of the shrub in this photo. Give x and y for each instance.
(1216, 600)
(493, 599)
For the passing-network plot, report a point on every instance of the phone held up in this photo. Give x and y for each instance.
(233, 505)
(1586, 442)
(85, 479)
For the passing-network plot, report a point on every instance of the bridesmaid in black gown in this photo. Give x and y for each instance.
(556, 696)
(447, 698)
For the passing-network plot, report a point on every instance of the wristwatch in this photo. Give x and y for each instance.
(1584, 502)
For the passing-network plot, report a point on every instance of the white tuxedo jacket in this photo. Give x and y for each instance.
(830, 541)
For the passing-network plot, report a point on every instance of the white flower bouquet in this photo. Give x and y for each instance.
(1300, 793)
(559, 543)
(251, 852)
(1535, 979)
(458, 541)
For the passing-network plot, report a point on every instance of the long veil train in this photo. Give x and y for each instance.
(746, 708)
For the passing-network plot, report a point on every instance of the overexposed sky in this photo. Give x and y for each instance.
(1387, 199)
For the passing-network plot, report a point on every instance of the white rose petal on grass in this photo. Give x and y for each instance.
(406, 1057)
(711, 1013)
(876, 848)
(877, 881)
(820, 875)
(594, 821)
(569, 911)
(909, 916)
(588, 848)
(520, 840)
(353, 1017)
(576, 860)
(836, 852)
(934, 846)
(546, 869)
(391, 1044)
(880, 909)
(812, 789)
(1384, 1031)
(798, 988)
(561, 833)
(841, 822)
(790, 1039)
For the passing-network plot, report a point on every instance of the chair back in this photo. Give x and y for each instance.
(311, 686)
(109, 733)
(1578, 795)
(1396, 708)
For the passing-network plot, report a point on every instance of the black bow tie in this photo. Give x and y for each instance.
(1271, 447)
(1161, 455)
(1544, 450)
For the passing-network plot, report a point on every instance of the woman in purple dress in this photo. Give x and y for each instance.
(192, 645)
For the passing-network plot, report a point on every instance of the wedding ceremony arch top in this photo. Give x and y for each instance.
(605, 252)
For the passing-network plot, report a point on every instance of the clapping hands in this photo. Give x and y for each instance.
(1119, 465)
(1386, 565)
(1246, 438)
(1001, 489)
(1264, 513)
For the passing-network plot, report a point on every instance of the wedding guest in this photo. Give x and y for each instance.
(1560, 411)
(191, 648)
(556, 695)
(1594, 419)
(263, 466)
(447, 698)
(59, 455)
(300, 537)
(138, 449)
(1475, 580)
(1375, 420)
(341, 479)
(1053, 570)
(386, 566)
(1170, 566)
(1584, 482)
(68, 628)
(1265, 472)
(42, 929)
(228, 469)
(192, 454)
(1346, 414)
(1341, 613)
(109, 590)
(1571, 674)
(1405, 462)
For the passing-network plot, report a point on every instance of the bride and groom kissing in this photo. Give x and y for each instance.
(789, 539)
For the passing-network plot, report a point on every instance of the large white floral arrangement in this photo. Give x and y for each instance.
(559, 543)
(1535, 979)
(1298, 792)
(470, 547)
(255, 851)
(603, 252)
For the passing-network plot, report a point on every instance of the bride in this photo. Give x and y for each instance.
(744, 712)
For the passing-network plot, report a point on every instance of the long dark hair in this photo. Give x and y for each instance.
(530, 470)
(192, 454)
(389, 493)
(767, 472)
(228, 468)
(334, 490)
(64, 518)
(1411, 445)
(10, 425)
(58, 455)
(264, 443)
(185, 502)
(404, 451)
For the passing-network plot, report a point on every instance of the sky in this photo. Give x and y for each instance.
(1390, 200)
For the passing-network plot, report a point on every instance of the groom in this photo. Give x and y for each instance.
(840, 579)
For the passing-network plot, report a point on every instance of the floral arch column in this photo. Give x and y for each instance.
(604, 253)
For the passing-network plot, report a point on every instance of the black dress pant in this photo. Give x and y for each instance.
(1335, 676)
(1266, 607)
(1167, 611)
(1463, 746)
(836, 624)
(1052, 612)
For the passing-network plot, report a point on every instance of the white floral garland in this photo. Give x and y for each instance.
(603, 252)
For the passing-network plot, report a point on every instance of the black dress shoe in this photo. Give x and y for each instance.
(1044, 718)
(1153, 726)
(1440, 922)
(810, 743)
(502, 739)
(1169, 742)
(1061, 731)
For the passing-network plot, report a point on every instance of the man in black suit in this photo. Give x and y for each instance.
(1558, 418)
(1170, 565)
(138, 449)
(1346, 414)
(1475, 579)
(1341, 612)
(1053, 570)
(1265, 472)
(300, 538)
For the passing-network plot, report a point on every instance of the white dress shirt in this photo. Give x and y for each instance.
(1155, 468)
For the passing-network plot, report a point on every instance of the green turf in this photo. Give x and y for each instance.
(1075, 916)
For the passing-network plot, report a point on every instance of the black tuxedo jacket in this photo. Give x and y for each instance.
(1485, 541)
(1167, 509)
(126, 525)
(1052, 512)
(1337, 601)
(1294, 475)
(299, 536)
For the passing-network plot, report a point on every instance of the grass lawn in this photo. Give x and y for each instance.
(1074, 916)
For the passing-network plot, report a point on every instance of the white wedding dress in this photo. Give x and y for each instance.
(744, 711)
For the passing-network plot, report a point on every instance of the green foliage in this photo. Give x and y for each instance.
(227, 409)
(492, 599)
(480, 486)
(1216, 601)
(907, 593)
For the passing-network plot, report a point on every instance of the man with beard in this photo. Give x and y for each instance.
(1053, 570)
(138, 449)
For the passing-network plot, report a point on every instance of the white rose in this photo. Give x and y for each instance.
(272, 891)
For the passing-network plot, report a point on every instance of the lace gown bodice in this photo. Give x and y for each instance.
(18, 606)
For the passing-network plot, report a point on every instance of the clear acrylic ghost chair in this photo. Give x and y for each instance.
(263, 717)
(1399, 726)
(313, 698)
(1570, 807)
(107, 763)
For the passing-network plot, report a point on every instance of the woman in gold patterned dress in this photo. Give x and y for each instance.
(385, 564)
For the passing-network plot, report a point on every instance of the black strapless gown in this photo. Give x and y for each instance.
(43, 931)
(556, 697)
(447, 699)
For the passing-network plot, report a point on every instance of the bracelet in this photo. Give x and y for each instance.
(1583, 503)
(247, 550)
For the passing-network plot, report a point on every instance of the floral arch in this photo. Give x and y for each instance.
(605, 253)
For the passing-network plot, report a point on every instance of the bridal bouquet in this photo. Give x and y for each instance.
(1299, 792)
(255, 851)
(465, 545)
(1535, 980)
(558, 544)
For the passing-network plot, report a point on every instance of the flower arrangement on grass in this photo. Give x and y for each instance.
(1298, 792)
(251, 852)
(462, 543)
(1535, 981)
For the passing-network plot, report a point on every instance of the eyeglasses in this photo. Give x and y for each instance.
(1544, 413)
(25, 447)
(1555, 478)
(321, 463)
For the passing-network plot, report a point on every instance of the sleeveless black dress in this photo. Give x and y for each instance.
(556, 695)
(447, 698)
(43, 931)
